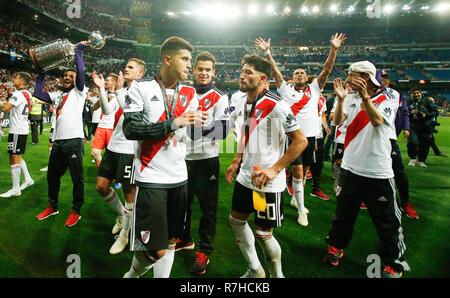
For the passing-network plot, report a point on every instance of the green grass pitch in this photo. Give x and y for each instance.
(29, 248)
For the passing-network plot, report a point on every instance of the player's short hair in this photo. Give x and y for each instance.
(70, 69)
(174, 44)
(260, 64)
(140, 62)
(415, 89)
(25, 77)
(113, 75)
(205, 56)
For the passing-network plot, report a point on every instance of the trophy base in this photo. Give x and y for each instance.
(32, 54)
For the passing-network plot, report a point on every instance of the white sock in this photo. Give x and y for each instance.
(112, 199)
(26, 174)
(299, 193)
(246, 241)
(272, 251)
(140, 264)
(126, 222)
(163, 267)
(15, 173)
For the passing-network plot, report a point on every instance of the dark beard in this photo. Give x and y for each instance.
(63, 89)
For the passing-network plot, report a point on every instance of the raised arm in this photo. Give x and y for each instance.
(79, 62)
(39, 92)
(341, 92)
(265, 46)
(336, 41)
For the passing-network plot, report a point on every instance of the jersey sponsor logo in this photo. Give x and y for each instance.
(228, 110)
(145, 236)
(154, 98)
(387, 112)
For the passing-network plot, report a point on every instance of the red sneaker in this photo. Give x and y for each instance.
(180, 244)
(410, 211)
(319, 194)
(333, 256)
(363, 206)
(72, 219)
(201, 261)
(390, 272)
(49, 211)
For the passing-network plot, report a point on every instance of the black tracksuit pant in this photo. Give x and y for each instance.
(203, 182)
(379, 196)
(66, 154)
(317, 165)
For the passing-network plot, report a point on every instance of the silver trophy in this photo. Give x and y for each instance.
(61, 51)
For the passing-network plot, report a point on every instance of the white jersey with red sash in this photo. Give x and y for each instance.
(69, 113)
(216, 104)
(119, 143)
(107, 121)
(268, 121)
(368, 148)
(304, 105)
(18, 119)
(161, 161)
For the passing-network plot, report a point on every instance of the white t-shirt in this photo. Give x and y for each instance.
(107, 121)
(160, 162)
(69, 113)
(96, 114)
(304, 105)
(18, 119)
(216, 103)
(367, 149)
(119, 143)
(267, 137)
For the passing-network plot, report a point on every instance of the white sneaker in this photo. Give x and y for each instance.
(118, 225)
(119, 245)
(422, 164)
(93, 161)
(11, 193)
(303, 218)
(44, 169)
(294, 204)
(258, 273)
(26, 184)
(412, 163)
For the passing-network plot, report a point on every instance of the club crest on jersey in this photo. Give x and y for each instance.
(145, 236)
(183, 100)
(127, 101)
(207, 103)
(258, 114)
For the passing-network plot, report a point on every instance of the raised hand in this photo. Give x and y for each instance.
(98, 80)
(340, 90)
(120, 81)
(337, 40)
(262, 44)
(360, 86)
